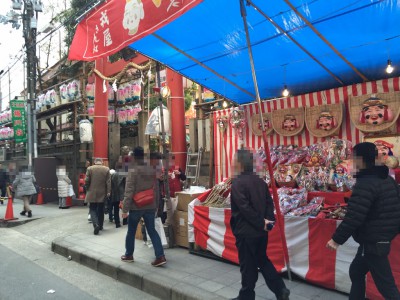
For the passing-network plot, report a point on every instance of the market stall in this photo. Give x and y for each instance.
(306, 238)
(311, 140)
(309, 60)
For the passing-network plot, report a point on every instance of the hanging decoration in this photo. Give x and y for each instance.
(90, 110)
(85, 131)
(89, 91)
(64, 93)
(73, 91)
(256, 126)
(288, 122)
(111, 114)
(222, 123)
(237, 120)
(153, 126)
(375, 112)
(324, 120)
(110, 93)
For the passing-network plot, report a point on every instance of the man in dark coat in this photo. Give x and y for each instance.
(373, 219)
(117, 195)
(252, 218)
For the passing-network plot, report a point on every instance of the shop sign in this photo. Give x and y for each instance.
(18, 120)
(118, 23)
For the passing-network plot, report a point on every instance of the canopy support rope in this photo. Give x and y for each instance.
(120, 74)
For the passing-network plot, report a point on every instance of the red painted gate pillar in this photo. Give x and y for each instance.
(177, 114)
(100, 120)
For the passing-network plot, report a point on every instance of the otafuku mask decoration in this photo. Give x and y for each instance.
(326, 121)
(375, 112)
(267, 124)
(290, 123)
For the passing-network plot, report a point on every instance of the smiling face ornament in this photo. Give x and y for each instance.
(326, 121)
(375, 112)
(134, 12)
(289, 123)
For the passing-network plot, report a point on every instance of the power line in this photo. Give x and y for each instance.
(77, 17)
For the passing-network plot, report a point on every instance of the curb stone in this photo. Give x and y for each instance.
(144, 279)
(14, 223)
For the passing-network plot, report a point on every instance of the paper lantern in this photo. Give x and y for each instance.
(85, 131)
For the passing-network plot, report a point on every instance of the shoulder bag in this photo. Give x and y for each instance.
(144, 198)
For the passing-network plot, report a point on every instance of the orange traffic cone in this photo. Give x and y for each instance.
(68, 201)
(10, 210)
(39, 198)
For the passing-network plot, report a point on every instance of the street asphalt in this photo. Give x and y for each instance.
(186, 276)
(24, 280)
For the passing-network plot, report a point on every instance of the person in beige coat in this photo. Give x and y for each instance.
(98, 187)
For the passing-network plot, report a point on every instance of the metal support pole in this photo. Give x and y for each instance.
(280, 218)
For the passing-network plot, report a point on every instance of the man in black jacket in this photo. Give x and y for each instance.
(252, 218)
(373, 219)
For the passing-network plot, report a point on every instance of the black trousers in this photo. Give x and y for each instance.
(253, 256)
(3, 190)
(114, 212)
(97, 214)
(381, 273)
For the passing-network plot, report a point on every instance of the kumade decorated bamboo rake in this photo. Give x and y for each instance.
(218, 194)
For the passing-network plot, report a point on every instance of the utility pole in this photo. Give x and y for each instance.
(30, 31)
(9, 84)
(30, 9)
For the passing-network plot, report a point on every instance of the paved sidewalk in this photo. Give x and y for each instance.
(38, 212)
(185, 276)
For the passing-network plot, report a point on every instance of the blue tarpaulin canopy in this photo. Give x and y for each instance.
(308, 45)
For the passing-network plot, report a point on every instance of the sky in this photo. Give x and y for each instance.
(11, 45)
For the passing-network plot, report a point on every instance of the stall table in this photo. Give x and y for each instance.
(306, 238)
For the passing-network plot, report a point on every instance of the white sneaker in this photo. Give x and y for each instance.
(89, 218)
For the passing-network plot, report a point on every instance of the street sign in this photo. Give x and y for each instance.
(18, 117)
